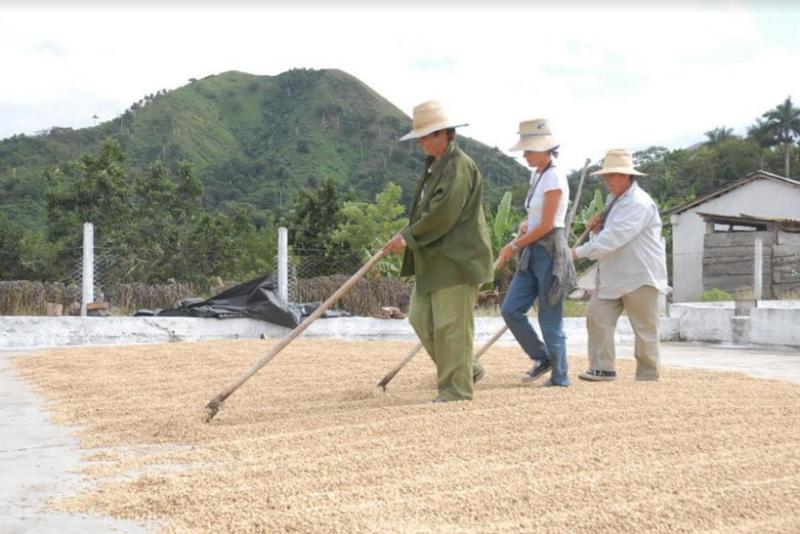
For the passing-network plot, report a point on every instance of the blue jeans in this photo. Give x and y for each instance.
(527, 286)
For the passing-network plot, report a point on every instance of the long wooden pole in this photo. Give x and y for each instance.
(214, 405)
(413, 352)
(491, 341)
(504, 328)
(577, 200)
(388, 378)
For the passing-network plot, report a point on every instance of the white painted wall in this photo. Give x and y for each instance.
(761, 198)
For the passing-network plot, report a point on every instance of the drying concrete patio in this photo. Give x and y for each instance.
(39, 459)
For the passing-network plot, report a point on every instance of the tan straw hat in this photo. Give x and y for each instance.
(618, 160)
(429, 117)
(535, 136)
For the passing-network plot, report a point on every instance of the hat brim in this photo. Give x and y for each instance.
(621, 170)
(543, 143)
(422, 132)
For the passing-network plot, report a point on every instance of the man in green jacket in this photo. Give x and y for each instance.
(447, 250)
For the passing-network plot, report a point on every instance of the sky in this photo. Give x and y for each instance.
(606, 75)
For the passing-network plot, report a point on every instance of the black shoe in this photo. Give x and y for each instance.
(597, 375)
(551, 384)
(538, 369)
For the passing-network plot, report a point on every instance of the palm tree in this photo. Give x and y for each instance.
(717, 135)
(783, 123)
(759, 133)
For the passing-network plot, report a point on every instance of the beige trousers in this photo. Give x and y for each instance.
(641, 306)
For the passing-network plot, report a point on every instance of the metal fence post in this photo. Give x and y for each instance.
(283, 263)
(662, 297)
(758, 269)
(87, 279)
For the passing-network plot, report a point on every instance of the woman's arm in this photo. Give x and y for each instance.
(549, 210)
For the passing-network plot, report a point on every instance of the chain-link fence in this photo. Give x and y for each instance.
(314, 274)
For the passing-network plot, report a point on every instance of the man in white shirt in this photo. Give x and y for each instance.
(626, 243)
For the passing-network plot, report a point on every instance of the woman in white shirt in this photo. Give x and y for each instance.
(545, 269)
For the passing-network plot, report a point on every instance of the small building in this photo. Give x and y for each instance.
(761, 195)
(729, 254)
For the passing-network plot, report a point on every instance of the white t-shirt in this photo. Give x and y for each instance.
(549, 181)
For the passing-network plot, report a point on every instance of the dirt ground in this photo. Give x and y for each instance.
(310, 444)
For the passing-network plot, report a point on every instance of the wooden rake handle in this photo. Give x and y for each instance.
(214, 405)
(390, 375)
(413, 352)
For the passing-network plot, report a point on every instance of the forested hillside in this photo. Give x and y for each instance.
(190, 184)
(254, 142)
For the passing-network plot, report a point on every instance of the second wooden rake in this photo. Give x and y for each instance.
(413, 352)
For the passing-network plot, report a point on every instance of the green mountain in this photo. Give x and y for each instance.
(253, 140)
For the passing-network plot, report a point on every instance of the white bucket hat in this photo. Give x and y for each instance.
(618, 160)
(429, 117)
(535, 136)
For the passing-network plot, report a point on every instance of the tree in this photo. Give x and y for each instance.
(90, 189)
(153, 225)
(10, 237)
(366, 226)
(759, 133)
(313, 222)
(783, 123)
(718, 135)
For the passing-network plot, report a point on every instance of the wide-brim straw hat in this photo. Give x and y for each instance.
(535, 136)
(430, 117)
(618, 160)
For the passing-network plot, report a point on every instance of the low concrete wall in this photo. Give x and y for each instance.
(775, 325)
(701, 321)
(18, 332)
(771, 322)
(485, 327)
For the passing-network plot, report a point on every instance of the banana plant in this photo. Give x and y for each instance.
(502, 223)
(597, 205)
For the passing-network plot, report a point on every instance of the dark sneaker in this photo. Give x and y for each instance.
(596, 375)
(538, 369)
(477, 375)
(551, 384)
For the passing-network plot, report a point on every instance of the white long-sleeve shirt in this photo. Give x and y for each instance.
(628, 249)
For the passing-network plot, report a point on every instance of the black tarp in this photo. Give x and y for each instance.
(257, 299)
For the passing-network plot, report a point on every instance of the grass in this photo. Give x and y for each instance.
(572, 308)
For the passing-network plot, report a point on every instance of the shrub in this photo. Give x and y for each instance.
(715, 295)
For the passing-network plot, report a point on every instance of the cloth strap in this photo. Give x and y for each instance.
(563, 272)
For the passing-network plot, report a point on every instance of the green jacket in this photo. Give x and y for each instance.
(447, 240)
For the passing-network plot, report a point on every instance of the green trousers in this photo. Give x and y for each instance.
(445, 324)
